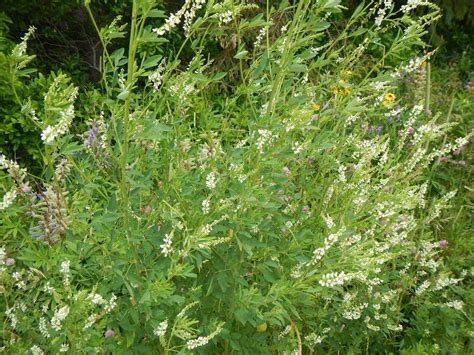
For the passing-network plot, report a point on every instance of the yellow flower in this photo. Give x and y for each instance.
(346, 73)
(388, 98)
(341, 88)
(316, 106)
(262, 327)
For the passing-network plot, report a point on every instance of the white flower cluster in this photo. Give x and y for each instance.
(191, 13)
(172, 21)
(156, 77)
(355, 312)
(95, 298)
(58, 317)
(423, 287)
(313, 339)
(90, 321)
(261, 34)
(160, 330)
(265, 137)
(166, 246)
(445, 281)
(64, 348)
(10, 314)
(53, 102)
(36, 350)
(333, 279)
(225, 17)
(16, 173)
(382, 11)
(298, 147)
(329, 241)
(202, 340)
(211, 181)
(51, 132)
(20, 49)
(456, 304)
(65, 271)
(413, 4)
(206, 206)
(8, 199)
(43, 327)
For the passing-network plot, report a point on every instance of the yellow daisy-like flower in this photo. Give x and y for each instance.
(341, 88)
(316, 106)
(388, 98)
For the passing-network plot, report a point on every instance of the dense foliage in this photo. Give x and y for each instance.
(245, 177)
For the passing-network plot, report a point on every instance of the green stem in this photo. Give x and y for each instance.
(428, 88)
(126, 121)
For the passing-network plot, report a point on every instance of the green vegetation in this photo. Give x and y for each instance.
(236, 177)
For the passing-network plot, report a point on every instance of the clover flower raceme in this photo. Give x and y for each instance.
(36, 350)
(456, 304)
(202, 340)
(64, 348)
(172, 21)
(65, 271)
(211, 181)
(266, 137)
(160, 330)
(261, 34)
(8, 199)
(51, 132)
(58, 317)
(382, 11)
(413, 4)
(156, 78)
(166, 246)
(333, 279)
(206, 206)
(191, 13)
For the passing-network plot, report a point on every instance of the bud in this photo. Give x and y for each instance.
(109, 333)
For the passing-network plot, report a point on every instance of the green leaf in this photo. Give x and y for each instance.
(218, 76)
(154, 131)
(241, 54)
(321, 26)
(156, 14)
(123, 95)
(152, 61)
(298, 68)
(358, 32)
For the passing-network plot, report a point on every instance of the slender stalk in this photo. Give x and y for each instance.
(428, 88)
(124, 189)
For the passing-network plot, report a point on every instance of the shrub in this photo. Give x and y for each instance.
(279, 206)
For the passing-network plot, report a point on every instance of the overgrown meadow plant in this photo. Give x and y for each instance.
(269, 197)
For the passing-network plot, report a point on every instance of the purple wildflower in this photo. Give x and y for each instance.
(443, 244)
